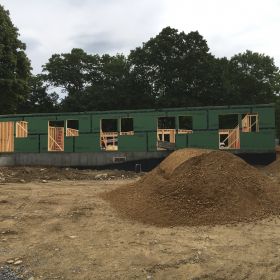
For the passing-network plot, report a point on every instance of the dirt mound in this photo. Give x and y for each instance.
(208, 189)
(274, 167)
(178, 157)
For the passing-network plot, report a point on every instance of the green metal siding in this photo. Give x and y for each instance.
(181, 141)
(39, 125)
(133, 143)
(145, 122)
(87, 143)
(258, 141)
(205, 129)
(27, 145)
(204, 139)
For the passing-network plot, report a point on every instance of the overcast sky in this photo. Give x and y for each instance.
(117, 26)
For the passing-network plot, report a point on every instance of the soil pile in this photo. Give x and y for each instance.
(274, 167)
(212, 188)
(175, 159)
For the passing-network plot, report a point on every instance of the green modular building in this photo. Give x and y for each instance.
(104, 138)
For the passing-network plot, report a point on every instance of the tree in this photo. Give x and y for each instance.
(173, 67)
(277, 105)
(93, 82)
(254, 78)
(72, 71)
(118, 88)
(39, 100)
(14, 66)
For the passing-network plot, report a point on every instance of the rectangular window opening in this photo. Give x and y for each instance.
(166, 131)
(109, 134)
(72, 128)
(250, 122)
(56, 136)
(229, 121)
(229, 134)
(185, 124)
(21, 129)
(127, 126)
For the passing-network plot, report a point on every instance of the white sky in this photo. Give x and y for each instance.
(112, 26)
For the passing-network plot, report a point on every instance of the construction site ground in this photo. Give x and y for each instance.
(57, 227)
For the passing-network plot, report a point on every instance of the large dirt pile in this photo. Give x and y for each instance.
(274, 167)
(210, 188)
(175, 159)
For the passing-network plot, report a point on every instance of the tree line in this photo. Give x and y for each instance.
(172, 69)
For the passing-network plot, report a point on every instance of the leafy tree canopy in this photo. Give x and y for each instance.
(15, 66)
(254, 78)
(39, 99)
(174, 66)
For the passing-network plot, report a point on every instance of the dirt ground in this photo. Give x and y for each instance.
(64, 230)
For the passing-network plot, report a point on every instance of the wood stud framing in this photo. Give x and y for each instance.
(55, 139)
(21, 129)
(229, 138)
(250, 121)
(6, 137)
(72, 132)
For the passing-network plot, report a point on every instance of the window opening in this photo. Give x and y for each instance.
(229, 134)
(127, 126)
(250, 123)
(109, 134)
(185, 125)
(72, 128)
(166, 133)
(56, 136)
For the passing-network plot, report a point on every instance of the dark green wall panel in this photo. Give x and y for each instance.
(181, 141)
(29, 144)
(152, 141)
(68, 144)
(43, 143)
(39, 124)
(145, 123)
(87, 143)
(135, 143)
(256, 141)
(266, 117)
(204, 139)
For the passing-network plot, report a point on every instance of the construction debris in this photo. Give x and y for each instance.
(44, 175)
(207, 188)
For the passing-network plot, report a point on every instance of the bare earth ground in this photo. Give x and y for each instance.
(64, 230)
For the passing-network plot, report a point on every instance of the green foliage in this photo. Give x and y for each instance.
(15, 66)
(72, 71)
(174, 67)
(254, 78)
(278, 117)
(39, 100)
